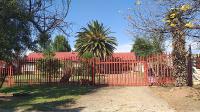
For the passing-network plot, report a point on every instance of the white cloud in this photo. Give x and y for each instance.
(124, 48)
(73, 49)
(28, 52)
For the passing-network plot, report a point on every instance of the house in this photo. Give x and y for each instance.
(32, 58)
(116, 57)
(74, 56)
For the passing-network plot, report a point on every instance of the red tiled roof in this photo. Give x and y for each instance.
(66, 55)
(58, 55)
(125, 55)
(73, 55)
(35, 56)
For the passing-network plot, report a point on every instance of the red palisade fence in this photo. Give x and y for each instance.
(112, 71)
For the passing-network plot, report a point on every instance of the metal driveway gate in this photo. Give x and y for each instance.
(121, 73)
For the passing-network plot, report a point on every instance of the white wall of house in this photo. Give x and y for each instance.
(28, 67)
(139, 67)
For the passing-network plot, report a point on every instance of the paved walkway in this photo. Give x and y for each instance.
(121, 99)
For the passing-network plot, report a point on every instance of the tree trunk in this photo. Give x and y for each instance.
(179, 58)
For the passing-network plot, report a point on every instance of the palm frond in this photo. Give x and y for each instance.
(95, 38)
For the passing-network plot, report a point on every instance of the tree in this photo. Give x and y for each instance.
(44, 42)
(61, 44)
(23, 20)
(46, 17)
(95, 38)
(180, 22)
(87, 55)
(49, 65)
(157, 41)
(142, 47)
(14, 33)
(49, 52)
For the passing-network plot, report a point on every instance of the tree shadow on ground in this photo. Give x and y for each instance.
(44, 98)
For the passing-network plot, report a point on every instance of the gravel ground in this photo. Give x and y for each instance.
(182, 99)
(121, 99)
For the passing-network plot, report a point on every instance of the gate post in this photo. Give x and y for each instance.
(10, 78)
(189, 67)
(146, 73)
(93, 71)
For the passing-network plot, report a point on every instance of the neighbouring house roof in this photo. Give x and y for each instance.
(74, 55)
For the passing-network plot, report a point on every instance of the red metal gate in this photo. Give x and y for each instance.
(121, 72)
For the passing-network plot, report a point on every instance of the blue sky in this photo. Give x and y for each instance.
(107, 12)
(111, 14)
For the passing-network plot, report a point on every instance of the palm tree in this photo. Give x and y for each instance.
(95, 39)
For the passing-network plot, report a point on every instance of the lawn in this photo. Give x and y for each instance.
(42, 98)
(24, 79)
(39, 78)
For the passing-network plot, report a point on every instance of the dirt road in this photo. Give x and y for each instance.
(122, 99)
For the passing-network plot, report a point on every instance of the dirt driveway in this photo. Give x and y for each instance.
(182, 99)
(122, 99)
